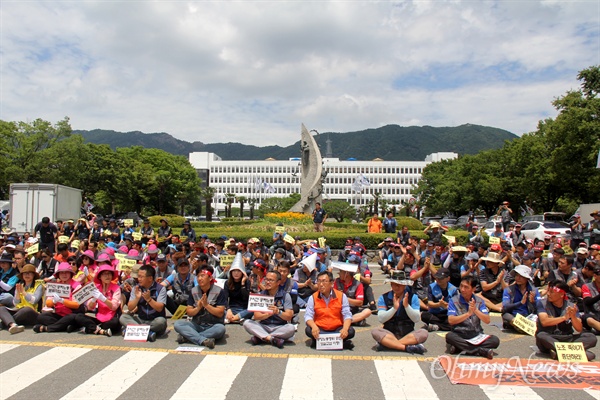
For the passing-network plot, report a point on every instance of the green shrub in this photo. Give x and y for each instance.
(175, 221)
(410, 222)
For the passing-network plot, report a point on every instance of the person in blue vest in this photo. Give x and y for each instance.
(519, 297)
(273, 326)
(439, 294)
(399, 312)
(465, 313)
(147, 300)
(8, 279)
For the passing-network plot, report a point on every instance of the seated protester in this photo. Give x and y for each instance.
(106, 302)
(163, 268)
(475, 236)
(8, 279)
(206, 306)
(237, 289)
(422, 278)
(492, 281)
(365, 279)
(434, 230)
(113, 231)
(343, 255)
(290, 286)
(465, 314)
(62, 252)
(353, 289)
(438, 296)
(47, 265)
(557, 320)
(129, 282)
(88, 266)
(519, 297)
(179, 285)
(517, 257)
(274, 326)
(305, 277)
(429, 250)
(572, 278)
(214, 257)
(403, 236)
(498, 233)
(201, 260)
(151, 255)
(540, 274)
(587, 272)
(440, 255)
(384, 250)
(278, 257)
(398, 312)
(28, 294)
(147, 231)
(591, 301)
(472, 267)
(456, 263)
(188, 232)
(394, 257)
(62, 318)
(257, 275)
(147, 304)
(328, 311)
(581, 257)
(164, 234)
(322, 263)
(81, 230)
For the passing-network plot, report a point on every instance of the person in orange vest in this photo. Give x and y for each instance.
(328, 311)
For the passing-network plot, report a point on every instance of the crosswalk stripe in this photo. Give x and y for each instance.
(505, 392)
(316, 375)
(113, 380)
(403, 379)
(16, 379)
(220, 371)
(4, 347)
(593, 392)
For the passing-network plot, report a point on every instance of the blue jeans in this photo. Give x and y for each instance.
(242, 312)
(6, 299)
(198, 333)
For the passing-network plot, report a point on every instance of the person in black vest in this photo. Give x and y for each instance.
(206, 306)
(591, 301)
(148, 299)
(557, 320)
(573, 278)
(273, 326)
(398, 312)
(465, 313)
(47, 265)
(188, 232)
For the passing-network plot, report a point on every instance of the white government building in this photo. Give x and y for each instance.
(280, 178)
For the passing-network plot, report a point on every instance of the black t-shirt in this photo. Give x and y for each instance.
(46, 233)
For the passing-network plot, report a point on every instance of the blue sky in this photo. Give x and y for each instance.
(253, 71)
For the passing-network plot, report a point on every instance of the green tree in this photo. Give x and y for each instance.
(242, 200)
(208, 194)
(229, 199)
(339, 209)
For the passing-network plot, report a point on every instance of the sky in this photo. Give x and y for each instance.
(254, 71)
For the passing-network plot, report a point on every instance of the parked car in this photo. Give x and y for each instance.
(547, 216)
(479, 220)
(448, 222)
(427, 220)
(539, 229)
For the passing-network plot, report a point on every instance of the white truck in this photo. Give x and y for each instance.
(30, 202)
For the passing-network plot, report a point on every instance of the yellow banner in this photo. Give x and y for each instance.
(63, 239)
(128, 222)
(279, 229)
(570, 352)
(226, 260)
(75, 244)
(322, 241)
(33, 249)
(136, 236)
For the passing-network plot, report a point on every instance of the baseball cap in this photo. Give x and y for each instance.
(442, 273)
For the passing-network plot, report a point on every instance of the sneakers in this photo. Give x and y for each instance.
(226, 321)
(277, 342)
(255, 340)
(180, 339)
(361, 323)
(348, 345)
(450, 349)
(380, 347)
(39, 328)
(415, 349)
(433, 328)
(553, 354)
(14, 328)
(108, 332)
(487, 353)
(70, 328)
(152, 336)
(210, 343)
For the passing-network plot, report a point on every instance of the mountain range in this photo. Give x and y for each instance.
(390, 142)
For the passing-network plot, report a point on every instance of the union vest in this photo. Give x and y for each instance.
(470, 327)
(182, 289)
(400, 324)
(329, 317)
(279, 301)
(594, 292)
(204, 317)
(30, 290)
(350, 293)
(564, 328)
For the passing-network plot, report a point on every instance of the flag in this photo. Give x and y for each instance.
(523, 211)
(357, 186)
(268, 187)
(88, 206)
(258, 184)
(364, 181)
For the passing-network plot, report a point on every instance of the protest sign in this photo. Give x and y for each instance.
(526, 325)
(289, 239)
(226, 260)
(61, 289)
(477, 340)
(120, 256)
(137, 333)
(33, 249)
(260, 302)
(279, 229)
(128, 222)
(75, 244)
(570, 352)
(494, 240)
(63, 239)
(322, 241)
(179, 313)
(136, 236)
(450, 239)
(330, 341)
(85, 293)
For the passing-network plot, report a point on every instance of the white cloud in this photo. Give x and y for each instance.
(253, 71)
